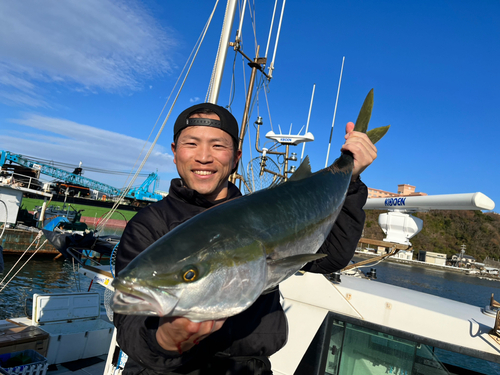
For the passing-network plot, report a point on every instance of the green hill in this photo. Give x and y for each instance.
(445, 232)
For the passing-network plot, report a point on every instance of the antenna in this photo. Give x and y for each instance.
(242, 16)
(271, 67)
(334, 113)
(308, 118)
(271, 28)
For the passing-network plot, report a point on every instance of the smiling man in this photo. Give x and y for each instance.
(206, 150)
(205, 154)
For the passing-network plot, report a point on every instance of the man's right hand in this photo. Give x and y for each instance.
(181, 334)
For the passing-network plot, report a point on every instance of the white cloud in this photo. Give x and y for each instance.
(93, 44)
(194, 100)
(67, 141)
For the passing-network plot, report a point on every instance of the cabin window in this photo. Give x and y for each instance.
(365, 350)
(341, 348)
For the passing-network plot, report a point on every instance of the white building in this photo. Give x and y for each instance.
(431, 257)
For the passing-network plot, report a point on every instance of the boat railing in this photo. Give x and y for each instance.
(19, 180)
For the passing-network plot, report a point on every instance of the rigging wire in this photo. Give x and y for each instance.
(267, 104)
(173, 88)
(232, 89)
(254, 25)
(77, 279)
(53, 163)
(107, 217)
(38, 236)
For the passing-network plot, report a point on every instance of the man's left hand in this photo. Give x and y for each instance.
(362, 149)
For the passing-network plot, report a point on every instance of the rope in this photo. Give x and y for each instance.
(210, 85)
(367, 263)
(6, 217)
(19, 270)
(36, 238)
(77, 279)
(115, 206)
(112, 260)
(268, 109)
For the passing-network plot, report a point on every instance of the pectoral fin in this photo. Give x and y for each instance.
(280, 269)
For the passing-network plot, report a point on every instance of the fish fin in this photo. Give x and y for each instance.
(294, 260)
(281, 269)
(303, 171)
(365, 114)
(376, 134)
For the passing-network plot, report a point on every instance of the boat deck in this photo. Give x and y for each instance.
(90, 366)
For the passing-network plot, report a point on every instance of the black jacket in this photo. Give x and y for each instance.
(259, 331)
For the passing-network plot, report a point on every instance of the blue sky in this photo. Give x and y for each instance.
(86, 81)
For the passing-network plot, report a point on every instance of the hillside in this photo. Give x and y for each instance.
(445, 232)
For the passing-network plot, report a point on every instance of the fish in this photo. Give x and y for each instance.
(216, 264)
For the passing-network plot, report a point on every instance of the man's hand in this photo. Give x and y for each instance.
(181, 334)
(362, 149)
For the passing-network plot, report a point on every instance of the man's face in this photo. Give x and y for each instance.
(205, 157)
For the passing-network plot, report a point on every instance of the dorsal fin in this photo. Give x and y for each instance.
(303, 171)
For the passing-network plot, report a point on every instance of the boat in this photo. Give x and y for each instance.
(16, 237)
(353, 325)
(472, 272)
(359, 326)
(346, 324)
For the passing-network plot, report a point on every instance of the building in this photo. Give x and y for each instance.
(404, 254)
(462, 258)
(403, 190)
(431, 257)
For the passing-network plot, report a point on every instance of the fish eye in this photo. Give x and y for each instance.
(190, 274)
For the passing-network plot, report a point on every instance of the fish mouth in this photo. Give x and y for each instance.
(132, 299)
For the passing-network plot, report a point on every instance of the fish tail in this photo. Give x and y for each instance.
(364, 117)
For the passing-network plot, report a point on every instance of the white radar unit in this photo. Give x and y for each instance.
(399, 226)
(290, 139)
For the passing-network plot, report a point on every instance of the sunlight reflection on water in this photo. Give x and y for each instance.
(41, 275)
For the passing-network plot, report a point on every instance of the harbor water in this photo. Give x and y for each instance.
(456, 286)
(45, 275)
(41, 275)
(459, 287)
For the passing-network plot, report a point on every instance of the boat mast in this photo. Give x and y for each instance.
(222, 52)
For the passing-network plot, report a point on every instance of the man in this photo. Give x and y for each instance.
(205, 154)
